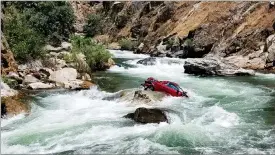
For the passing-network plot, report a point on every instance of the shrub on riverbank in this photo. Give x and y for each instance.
(127, 44)
(96, 54)
(93, 25)
(28, 26)
(23, 40)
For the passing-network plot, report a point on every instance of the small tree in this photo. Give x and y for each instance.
(24, 41)
(93, 25)
(96, 54)
(127, 44)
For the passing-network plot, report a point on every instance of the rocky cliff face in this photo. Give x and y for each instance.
(234, 30)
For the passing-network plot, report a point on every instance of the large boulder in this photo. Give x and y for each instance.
(213, 66)
(30, 79)
(143, 115)
(63, 75)
(40, 85)
(136, 96)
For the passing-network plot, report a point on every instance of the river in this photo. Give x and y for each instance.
(224, 115)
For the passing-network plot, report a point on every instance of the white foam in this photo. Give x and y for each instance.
(127, 54)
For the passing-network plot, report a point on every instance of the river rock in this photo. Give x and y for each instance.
(30, 79)
(144, 115)
(64, 75)
(56, 63)
(6, 91)
(213, 66)
(136, 96)
(46, 71)
(40, 85)
(15, 76)
(147, 61)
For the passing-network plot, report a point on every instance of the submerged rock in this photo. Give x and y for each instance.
(147, 61)
(139, 96)
(213, 66)
(144, 115)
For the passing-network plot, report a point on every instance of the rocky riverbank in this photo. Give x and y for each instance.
(52, 72)
(241, 32)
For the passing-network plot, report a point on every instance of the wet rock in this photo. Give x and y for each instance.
(136, 96)
(108, 64)
(139, 95)
(213, 66)
(144, 115)
(84, 85)
(40, 85)
(86, 77)
(147, 61)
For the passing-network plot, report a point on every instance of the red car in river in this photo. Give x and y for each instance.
(168, 87)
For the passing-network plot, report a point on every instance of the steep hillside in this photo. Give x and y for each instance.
(235, 30)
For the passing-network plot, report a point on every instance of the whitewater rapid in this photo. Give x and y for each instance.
(222, 115)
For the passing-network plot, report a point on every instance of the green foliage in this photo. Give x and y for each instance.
(93, 25)
(29, 25)
(68, 58)
(24, 41)
(53, 19)
(127, 44)
(188, 43)
(10, 82)
(96, 54)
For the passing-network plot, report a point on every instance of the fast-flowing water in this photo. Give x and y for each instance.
(223, 115)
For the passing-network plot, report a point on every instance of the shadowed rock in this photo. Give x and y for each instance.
(213, 66)
(144, 115)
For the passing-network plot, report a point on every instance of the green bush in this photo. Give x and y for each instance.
(127, 44)
(93, 25)
(96, 54)
(10, 82)
(53, 19)
(24, 41)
